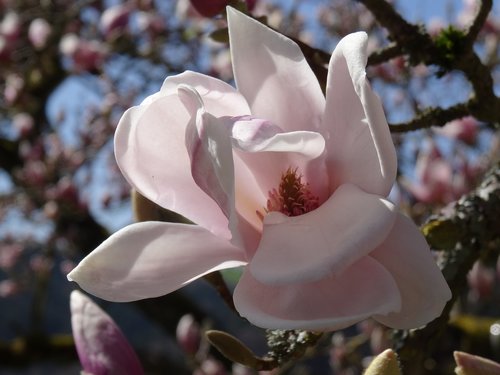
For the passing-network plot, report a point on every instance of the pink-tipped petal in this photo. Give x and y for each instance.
(322, 242)
(150, 148)
(151, 259)
(424, 291)
(359, 144)
(334, 302)
(273, 75)
(101, 345)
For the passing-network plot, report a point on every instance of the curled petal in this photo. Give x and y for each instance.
(334, 302)
(322, 242)
(268, 152)
(208, 143)
(150, 148)
(219, 98)
(209, 146)
(273, 75)
(256, 135)
(424, 291)
(151, 259)
(101, 345)
(359, 144)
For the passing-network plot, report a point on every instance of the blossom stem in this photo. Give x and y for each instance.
(217, 281)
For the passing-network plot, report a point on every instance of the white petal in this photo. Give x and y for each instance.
(150, 149)
(334, 302)
(359, 144)
(325, 241)
(273, 75)
(424, 291)
(151, 259)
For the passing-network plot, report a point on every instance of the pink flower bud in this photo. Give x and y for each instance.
(86, 55)
(468, 364)
(39, 32)
(13, 86)
(69, 44)
(464, 129)
(5, 49)
(101, 345)
(10, 27)
(23, 123)
(40, 264)
(114, 20)
(481, 280)
(150, 22)
(188, 334)
(8, 288)
(210, 366)
(378, 340)
(51, 210)
(9, 254)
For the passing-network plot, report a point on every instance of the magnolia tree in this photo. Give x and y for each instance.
(331, 169)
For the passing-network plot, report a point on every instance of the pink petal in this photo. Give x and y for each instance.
(424, 291)
(151, 259)
(150, 148)
(273, 75)
(360, 149)
(322, 242)
(268, 153)
(209, 146)
(219, 98)
(101, 345)
(364, 289)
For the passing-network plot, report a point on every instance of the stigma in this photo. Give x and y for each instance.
(292, 197)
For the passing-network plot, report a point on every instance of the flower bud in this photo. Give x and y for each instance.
(188, 334)
(114, 20)
(386, 363)
(468, 364)
(101, 346)
(39, 32)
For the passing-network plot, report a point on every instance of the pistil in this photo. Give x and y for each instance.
(292, 197)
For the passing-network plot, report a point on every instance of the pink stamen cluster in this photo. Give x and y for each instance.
(293, 197)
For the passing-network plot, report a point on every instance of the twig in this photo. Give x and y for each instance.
(432, 117)
(385, 54)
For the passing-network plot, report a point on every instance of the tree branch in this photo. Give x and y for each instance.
(466, 233)
(385, 54)
(432, 116)
(451, 50)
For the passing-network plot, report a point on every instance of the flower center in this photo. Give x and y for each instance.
(293, 197)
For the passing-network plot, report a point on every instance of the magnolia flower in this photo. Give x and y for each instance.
(100, 344)
(278, 178)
